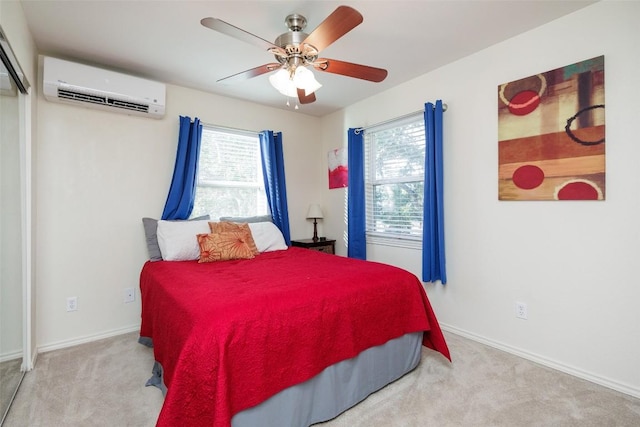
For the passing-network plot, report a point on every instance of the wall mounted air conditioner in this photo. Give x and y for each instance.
(82, 85)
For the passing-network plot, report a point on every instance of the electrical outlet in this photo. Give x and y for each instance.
(521, 310)
(72, 303)
(129, 295)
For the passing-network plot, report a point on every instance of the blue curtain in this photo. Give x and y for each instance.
(182, 192)
(357, 242)
(433, 259)
(274, 182)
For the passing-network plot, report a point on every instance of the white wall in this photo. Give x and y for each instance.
(573, 263)
(99, 173)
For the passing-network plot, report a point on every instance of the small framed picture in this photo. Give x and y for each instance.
(338, 168)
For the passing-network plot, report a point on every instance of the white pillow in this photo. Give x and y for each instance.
(267, 236)
(178, 241)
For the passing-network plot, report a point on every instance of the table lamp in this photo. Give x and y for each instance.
(314, 213)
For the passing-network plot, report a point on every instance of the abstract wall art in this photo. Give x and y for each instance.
(551, 135)
(338, 169)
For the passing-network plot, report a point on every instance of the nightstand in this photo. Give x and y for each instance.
(326, 246)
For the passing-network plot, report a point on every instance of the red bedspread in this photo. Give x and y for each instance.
(231, 334)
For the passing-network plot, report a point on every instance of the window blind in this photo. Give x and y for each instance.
(230, 181)
(394, 178)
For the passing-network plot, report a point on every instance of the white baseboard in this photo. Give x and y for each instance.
(606, 382)
(576, 372)
(11, 356)
(87, 338)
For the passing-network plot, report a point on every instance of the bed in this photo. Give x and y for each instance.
(287, 337)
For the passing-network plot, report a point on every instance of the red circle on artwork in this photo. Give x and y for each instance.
(528, 177)
(578, 191)
(524, 102)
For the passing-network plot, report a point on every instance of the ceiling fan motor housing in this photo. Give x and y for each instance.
(291, 42)
(290, 38)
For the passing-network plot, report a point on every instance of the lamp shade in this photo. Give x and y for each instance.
(283, 83)
(314, 211)
(304, 79)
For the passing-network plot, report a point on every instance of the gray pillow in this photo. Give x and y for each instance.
(150, 232)
(248, 219)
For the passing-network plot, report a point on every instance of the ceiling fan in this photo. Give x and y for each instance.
(296, 50)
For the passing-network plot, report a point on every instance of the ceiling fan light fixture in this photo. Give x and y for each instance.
(304, 79)
(290, 91)
(283, 83)
(279, 78)
(287, 85)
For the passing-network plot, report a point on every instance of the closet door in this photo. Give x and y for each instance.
(14, 242)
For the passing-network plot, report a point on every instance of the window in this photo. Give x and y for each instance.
(394, 180)
(230, 180)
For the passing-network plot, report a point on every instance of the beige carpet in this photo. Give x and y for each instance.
(102, 384)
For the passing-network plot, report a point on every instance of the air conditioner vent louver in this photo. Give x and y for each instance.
(128, 105)
(94, 87)
(103, 100)
(83, 97)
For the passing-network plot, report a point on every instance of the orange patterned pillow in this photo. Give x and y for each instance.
(224, 226)
(224, 246)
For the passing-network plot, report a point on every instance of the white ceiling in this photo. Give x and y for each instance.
(164, 41)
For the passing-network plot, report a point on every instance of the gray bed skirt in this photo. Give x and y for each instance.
(331, 392)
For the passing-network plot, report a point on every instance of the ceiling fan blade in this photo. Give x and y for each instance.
(254, 72)
(336, 25)
(240, 34)
(350, 69)
(306, 99)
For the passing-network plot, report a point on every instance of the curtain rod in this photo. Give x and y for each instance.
(444, 108)
(229, 128)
